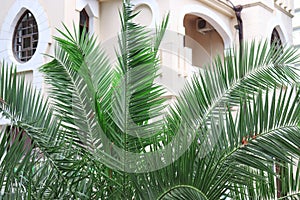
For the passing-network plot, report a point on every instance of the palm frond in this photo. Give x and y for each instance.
(183, 192)
(27, 112)
(226, 147)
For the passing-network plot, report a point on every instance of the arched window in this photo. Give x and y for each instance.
(84, 21)
(25, 39)
(275, 39)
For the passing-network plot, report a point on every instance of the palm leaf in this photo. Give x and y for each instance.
(183, 192)
(205, 105)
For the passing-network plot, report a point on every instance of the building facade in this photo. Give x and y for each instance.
(296, 24)
(198, 30)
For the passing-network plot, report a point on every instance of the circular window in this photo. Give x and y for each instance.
(26, 37)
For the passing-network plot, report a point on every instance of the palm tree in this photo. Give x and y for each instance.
(105, 132)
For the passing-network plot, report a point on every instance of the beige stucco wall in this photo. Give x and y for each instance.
(56, 11)
(109, 22)
(5, 5)
(259, 21)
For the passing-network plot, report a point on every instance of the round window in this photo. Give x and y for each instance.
(26, 37)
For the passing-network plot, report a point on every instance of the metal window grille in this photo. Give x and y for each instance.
(26, 37)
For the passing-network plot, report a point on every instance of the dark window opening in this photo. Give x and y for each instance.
(84, 22)
(26, 37)
(275, 40)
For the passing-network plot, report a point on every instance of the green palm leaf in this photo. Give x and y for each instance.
(183, 192)
(205, 104)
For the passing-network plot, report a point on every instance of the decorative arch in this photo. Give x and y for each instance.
(281, 34)
(153, 5)
(216, 21)
(91, 6)
(7, 31)
(277, 24)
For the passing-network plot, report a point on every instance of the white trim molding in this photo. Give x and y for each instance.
(215, 20)
(92, 9)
